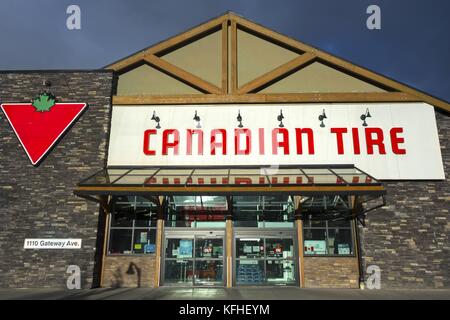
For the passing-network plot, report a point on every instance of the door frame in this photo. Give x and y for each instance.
(266, 233)
(192, 233)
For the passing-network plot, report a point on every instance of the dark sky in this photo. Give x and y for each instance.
(412, 47)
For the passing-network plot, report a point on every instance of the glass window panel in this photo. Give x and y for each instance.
(342, 171)
(313, 171)
(145, 216)
(288, 179)
(249, 171)
(315, 241)
(331, 179)
(248, 248)
(280, 271)
(281, 171)
(340, 241)
(250, 272)
(120, 241)
(179, 248)
(279, 248)
(131, 179)
(211, 172)
(209, 248)
(248, 179)
(176, 172)
(143, 172)
(208, 272)
(314, 224)
(358, 178)
(144, 241)
(211, 180)
(117, 172)
(178, 272)
(123, 214)
(340, 224)
(167, 179)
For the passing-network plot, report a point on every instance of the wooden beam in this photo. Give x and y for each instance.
(299, 226)
(183, 75)
(171, 42)
(225, 57)
(276, 73)
(234, 62)
(236, 189)
(229, 252)
(264, 98)
(159, 250)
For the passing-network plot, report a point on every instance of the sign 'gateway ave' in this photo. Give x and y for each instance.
(393, 145)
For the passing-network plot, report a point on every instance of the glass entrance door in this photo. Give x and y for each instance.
(265, 260)
(194, 260)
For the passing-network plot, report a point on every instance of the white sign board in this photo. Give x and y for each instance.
(399, 142)
(52, 243)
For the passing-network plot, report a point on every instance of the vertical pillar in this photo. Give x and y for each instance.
(229, 242)
(107, 215)
(299, 226)
(354, 201)
(229, 251)
(159, 243)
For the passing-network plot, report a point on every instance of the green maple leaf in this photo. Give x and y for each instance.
(44, 102)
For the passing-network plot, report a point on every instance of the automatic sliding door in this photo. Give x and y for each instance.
(280, 267)
(179, 261)
(265, 260)
(194, 260)
(209, 261)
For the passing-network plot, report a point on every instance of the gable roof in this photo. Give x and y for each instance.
(307, 54)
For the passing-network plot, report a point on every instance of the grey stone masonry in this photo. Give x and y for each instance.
(409, 239)
(38, 202)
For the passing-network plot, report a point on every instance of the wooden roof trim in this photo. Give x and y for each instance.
(181, 74)
(347, 66)
(277, 73)
(264, 98)
(173, 41)
(236, 21)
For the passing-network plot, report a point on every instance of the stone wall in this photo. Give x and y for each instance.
(38, 202)
(129, 271)
(409, 239)
(331, 272)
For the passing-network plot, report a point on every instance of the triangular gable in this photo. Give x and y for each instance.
(229, 24)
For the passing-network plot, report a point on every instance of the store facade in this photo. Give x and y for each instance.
(228, 155)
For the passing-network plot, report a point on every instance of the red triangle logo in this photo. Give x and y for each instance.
(39, 131)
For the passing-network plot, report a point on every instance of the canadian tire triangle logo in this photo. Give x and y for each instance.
(40, 124)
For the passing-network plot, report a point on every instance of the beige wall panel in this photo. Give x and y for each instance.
(147, 80)
(256, 56)
(318, 77)
(201, 58)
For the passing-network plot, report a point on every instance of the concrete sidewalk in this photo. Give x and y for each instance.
(248, 293)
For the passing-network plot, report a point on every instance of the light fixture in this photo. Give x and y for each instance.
(239, 119)
(321, 118)
(156, 118)
(197, 118)
(365, 116)
(280, 118)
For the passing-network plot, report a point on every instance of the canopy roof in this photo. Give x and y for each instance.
(222, 180)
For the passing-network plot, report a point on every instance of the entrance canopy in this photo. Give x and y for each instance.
(305, 180)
